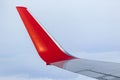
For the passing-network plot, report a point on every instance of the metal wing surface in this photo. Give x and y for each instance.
(96, 69)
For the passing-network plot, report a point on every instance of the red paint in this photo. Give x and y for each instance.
(45, 46)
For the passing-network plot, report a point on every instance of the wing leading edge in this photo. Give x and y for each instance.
(53, 54)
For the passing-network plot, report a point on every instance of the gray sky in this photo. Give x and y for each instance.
(87, 29)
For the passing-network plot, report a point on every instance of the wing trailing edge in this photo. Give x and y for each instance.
(46, 47)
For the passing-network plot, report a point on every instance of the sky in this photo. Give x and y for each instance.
(84, 28)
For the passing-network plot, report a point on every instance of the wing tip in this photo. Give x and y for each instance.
(21, 7)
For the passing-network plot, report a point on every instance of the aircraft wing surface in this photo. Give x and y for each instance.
(96, 69)
(53, 54)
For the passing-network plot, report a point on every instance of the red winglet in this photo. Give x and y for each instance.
(47, 48)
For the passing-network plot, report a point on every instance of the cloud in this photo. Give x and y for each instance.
(113, 56)
(18, 77)
(84, 78)
(22, 78)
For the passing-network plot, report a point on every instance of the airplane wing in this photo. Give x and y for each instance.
(53, 54)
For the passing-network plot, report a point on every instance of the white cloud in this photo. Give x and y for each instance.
(113, 56)
(80, 77)
(22, 78)
(84, 78)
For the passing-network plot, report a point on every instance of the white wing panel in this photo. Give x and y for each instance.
(95, 69)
